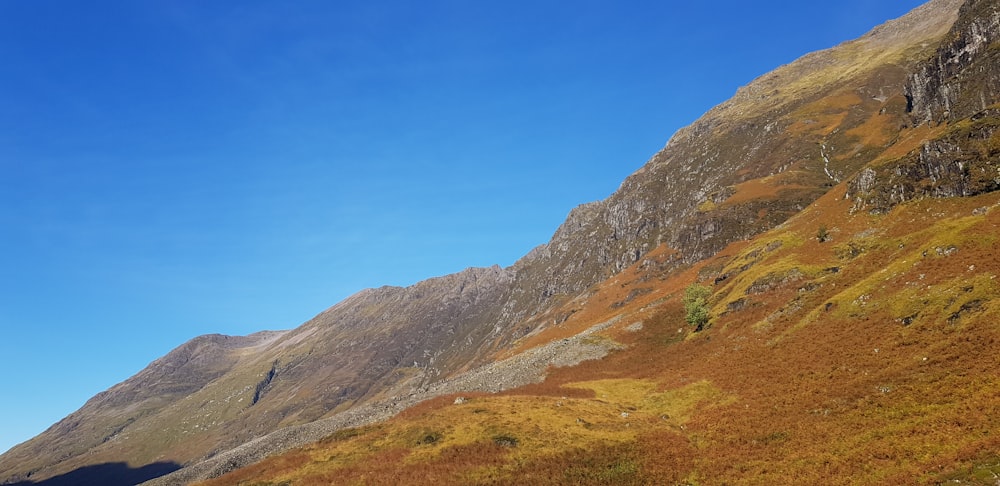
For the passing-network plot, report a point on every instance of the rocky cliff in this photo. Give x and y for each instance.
(964, 161)
(958, 86)
(963, 78)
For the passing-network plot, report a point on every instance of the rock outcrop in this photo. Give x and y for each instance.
(959, 86)
(963, 162)
(963, 78)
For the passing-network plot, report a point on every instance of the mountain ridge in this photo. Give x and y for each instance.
(830, 348)
(780, 152)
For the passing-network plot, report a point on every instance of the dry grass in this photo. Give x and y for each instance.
(811, 384)
(866, 358)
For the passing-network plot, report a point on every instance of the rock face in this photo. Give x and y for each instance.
(757, 134)
(959, 84)
(744, 167)
(963, 162)
(963, 78)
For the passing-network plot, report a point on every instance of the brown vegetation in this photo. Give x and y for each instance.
(875, 365)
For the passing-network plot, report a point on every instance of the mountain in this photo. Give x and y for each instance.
(801, 204)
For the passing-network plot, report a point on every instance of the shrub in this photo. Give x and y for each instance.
(696, 305)
(822, 234)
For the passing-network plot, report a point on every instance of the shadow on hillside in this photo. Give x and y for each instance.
(108, 474)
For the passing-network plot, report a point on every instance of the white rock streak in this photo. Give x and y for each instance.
(826, 163)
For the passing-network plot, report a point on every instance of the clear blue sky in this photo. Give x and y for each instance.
(176, 168)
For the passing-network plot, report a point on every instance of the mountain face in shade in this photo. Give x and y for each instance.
(904, 113)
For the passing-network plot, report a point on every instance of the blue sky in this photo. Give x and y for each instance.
(176, 168)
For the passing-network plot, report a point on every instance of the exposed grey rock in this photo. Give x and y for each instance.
(963, 162)
(964, 76)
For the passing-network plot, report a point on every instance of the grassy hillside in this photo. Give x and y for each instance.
(867, 356)
(854, 343)
(846, 242)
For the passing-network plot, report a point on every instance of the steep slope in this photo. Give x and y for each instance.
(745, 167)
(964, 76)
(182, 373)
(867, 358)
(853, 344)
(753, 161)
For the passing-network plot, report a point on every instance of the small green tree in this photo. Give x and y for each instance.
(696, 305)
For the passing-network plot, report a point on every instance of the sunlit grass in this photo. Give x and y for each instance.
(866, 359)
